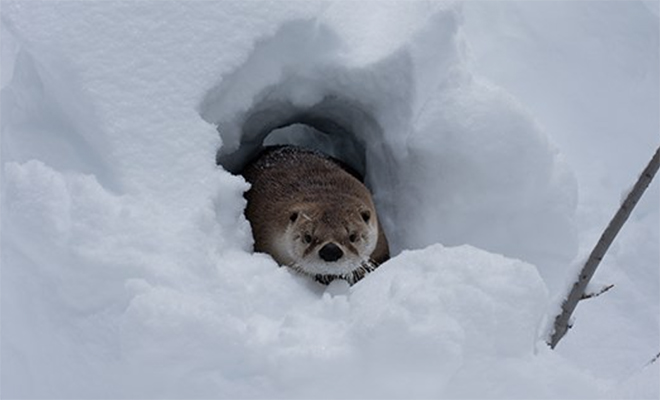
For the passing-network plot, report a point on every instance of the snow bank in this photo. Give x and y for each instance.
(158, 307)
(388, 336)
(594, 85)
(442, 151)
(127, 268)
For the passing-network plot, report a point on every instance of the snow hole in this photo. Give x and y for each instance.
(335, 126)
(290, 92)
(448, 158)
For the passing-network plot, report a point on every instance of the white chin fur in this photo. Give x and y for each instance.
(320, 267)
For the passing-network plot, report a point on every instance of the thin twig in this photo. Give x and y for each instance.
(596, 294)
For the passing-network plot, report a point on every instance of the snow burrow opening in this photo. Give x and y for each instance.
(337, 127)
(295, 89)
(448, 157)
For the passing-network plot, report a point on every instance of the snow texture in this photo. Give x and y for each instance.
(127, 263)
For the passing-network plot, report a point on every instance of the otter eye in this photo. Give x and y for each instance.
(352, 237)
(293, 217)
(366, 215)
(307, 238)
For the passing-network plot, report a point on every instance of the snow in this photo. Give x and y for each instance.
(127, 269)
(427, 134)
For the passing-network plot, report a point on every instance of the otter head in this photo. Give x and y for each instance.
(327, 241)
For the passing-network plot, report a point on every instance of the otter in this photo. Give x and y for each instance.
(312, 213)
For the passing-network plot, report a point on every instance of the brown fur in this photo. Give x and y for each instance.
(318, 194)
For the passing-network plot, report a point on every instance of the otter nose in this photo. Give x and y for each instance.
(330, 252)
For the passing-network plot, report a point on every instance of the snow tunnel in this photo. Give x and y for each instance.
(441, 151)
(295, 89)
(335, 126)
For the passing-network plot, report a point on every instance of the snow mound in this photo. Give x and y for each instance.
(233, 323)
(171, 311)
(442, 151)
(404, 332)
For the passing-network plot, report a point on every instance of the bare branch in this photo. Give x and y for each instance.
(561, 324)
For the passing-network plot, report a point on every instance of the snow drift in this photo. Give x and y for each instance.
(127, 268)
(441, 151)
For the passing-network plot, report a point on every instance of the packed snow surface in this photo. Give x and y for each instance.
(127, 263)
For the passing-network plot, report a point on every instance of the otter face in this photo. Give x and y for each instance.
(331, 242)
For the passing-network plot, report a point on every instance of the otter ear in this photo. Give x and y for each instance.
(366, 215)
(293, 216)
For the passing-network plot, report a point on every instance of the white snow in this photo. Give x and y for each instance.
(127, 269)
